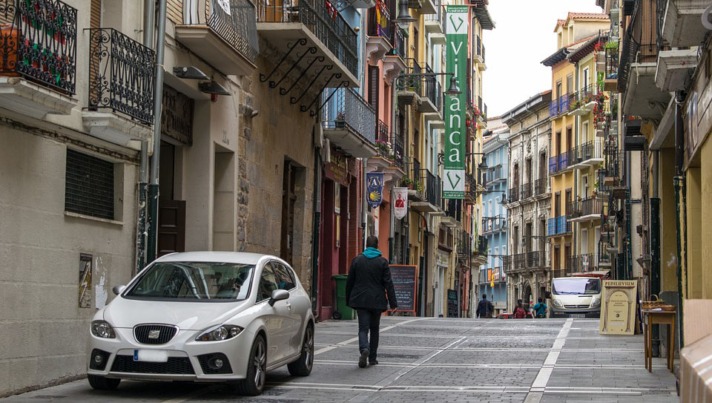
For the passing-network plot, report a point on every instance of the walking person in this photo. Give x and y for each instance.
(540, 308)
(484, 308)
(368, 283)
(519, 311)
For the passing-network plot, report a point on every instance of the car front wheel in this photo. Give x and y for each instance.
(303, 365)
(102, 383)
(256, 376)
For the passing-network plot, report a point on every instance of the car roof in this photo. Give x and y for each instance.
(214, 256)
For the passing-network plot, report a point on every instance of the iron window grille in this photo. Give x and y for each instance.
(89, 186)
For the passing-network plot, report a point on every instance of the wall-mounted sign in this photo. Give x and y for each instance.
(455, 105)
(374, 188)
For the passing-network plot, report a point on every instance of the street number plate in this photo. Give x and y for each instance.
(150, 355)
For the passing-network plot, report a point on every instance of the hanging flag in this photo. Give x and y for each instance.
(374, 188)
(400, 196)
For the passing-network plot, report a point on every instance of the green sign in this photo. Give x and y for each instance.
(455, 105)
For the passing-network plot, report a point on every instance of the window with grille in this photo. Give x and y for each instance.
(89, 186)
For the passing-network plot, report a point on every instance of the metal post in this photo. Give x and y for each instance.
(151, 251)
(679, 183)
(149, 16)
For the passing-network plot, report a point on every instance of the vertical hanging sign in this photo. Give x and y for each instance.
(455, 105)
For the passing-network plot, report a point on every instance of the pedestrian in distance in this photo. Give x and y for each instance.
(369, 290)
(540, 308)
(519, 311)
(484, 308)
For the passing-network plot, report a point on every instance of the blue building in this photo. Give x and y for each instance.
(492, 281)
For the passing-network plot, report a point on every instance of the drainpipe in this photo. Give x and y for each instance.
(317, 222)
(680, 206)
(149, 17)
(156, 158)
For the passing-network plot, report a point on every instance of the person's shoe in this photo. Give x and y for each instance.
(362, 359)
(373, 362)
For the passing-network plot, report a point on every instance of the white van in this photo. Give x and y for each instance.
(576, 297)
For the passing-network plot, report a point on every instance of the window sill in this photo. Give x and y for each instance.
(92, 218)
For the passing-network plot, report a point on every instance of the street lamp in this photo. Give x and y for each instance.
(404, 16)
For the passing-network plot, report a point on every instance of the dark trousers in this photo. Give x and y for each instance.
(369, 321)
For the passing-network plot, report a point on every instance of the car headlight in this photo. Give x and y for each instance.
(595, 301)
(218, 333)
(102, 328)
(556, 303)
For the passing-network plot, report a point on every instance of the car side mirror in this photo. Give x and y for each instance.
(118, 289)
(278, 295)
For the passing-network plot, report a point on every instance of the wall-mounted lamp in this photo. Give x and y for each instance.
(213, 87)
(404, 16)
(189, 72)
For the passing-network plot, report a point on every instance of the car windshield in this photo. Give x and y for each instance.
(576, 286)
(190, 281)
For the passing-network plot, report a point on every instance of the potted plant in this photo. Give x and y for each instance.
(407, 182)
(384, 148)
(340, 121)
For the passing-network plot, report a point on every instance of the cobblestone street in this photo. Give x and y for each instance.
(443, 360)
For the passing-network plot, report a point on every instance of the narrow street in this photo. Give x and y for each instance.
(439, 359)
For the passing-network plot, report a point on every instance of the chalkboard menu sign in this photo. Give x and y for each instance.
(452, 311)
(405, 284)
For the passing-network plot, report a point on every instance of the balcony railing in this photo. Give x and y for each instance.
(583, 208)
(464, 244)
(526, 191)
(453, 208)
(553, 164)
(580, 263)
(398, 42)
(540, 186)
(583, 97)
(590, 150)
(121, 74)
(320, 17)
(513, 194)
(557, 226)
(351, 110)
(379, 22)
(640, 42)
(481, 246)
(433, 188)
(40, 43)
(234, 27)
(470, 187)
(559, 105)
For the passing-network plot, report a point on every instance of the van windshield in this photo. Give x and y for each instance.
(576, 286)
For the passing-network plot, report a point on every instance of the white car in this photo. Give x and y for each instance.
(204, 317)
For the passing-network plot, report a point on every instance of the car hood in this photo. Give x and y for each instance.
(127, 313)
(575, 299)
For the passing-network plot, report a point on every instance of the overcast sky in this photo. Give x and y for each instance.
(523, 37)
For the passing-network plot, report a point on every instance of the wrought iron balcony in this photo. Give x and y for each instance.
(589, 153)
(582, 102)
(584, 210)
(540, 186)
(526, 191)
(558, 226)
(553, 164)
(349, 122)
(559, 105)
(492, 225)
(380, 32)
(470, 188)
(638, 60)
(429, 199)
(513, 194)
(292, 25)
(121, 73)
(38, 44)
(223, 33)
(580, 263)
(464, 244)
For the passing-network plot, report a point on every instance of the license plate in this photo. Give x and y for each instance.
(577, 315)
(150, 355)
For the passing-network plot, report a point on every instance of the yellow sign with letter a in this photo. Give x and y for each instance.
(618, 307)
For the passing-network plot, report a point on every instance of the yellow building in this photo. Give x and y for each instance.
(572, 33)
